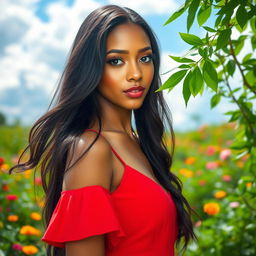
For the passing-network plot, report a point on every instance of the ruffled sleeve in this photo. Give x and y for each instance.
(81, 213)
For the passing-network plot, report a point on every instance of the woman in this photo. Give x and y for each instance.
(109, 190)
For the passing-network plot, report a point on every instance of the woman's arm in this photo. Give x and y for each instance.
(90, 246)
(94, 168)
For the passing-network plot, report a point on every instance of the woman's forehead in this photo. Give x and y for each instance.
(126, 35)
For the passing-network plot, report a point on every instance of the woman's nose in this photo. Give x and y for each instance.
(134, 72)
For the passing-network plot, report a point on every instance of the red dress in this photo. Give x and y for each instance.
(138, 218)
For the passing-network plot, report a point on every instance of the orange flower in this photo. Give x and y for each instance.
(29, 249)
(220, 194)
(29, 230)
(211, 208)
(240, 164)
(190, 160)
(27, 173)
(186, 172)
(5, 167)
(13, 218)
(35, 216)
(248, 184)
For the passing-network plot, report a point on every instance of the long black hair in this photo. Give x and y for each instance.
(75, 103)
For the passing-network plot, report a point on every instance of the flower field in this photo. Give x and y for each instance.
(215, 182)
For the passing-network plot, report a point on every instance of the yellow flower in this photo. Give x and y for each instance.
(29, 230)
(29, 249)
(1, 224)
(220, 194)
(35, 216)
(190, 160)
(186, 172)
(13, 218)
(17, 177)
(211, 208)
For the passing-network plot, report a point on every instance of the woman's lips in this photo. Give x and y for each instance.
(135, 93)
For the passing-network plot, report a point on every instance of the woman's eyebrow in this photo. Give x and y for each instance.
(125, 51)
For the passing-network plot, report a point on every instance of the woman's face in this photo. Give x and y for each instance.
(128, 64)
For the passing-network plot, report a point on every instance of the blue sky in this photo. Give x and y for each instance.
(37, 35)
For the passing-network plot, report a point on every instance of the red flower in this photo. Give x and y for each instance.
(5, 187)
(11, 197)
(1, 160)
(202, 182)
(17, 247)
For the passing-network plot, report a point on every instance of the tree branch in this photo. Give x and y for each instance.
(239, 66)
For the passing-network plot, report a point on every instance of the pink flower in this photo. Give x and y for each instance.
(17, 247)
(225, 154)
(211, 165)
(38, 181)
(234, 204)
(210, 150)
(226, 178)
(198, 223)
(11, 197)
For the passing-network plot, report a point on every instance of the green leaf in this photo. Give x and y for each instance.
(192, 13)
(247, 57)
(173, 80)
(210, 75)
(209, 29)
(203, 52)
(203, 14)
(184, 66)
(231, 66)
(253, 42)
(223, 38)
(176, 14)
(218, 20)
(215, 100)
(239, 47)
(251, 77)
(191, 39)
(253, 24)
(241, 16)
(196, 81)
(185, 90)
(181, 60)
(239, 145)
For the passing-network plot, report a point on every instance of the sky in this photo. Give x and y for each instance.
(36, 36)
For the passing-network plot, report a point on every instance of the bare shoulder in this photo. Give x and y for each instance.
(94, 167)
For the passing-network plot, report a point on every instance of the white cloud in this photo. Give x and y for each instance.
(148, 6)
(33, 51)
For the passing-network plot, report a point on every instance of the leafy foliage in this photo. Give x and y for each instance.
(222, 57)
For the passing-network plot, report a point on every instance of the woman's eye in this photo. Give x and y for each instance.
(147, 58)
(114, 62)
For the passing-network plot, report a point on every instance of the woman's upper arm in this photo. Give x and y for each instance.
(94, 168)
